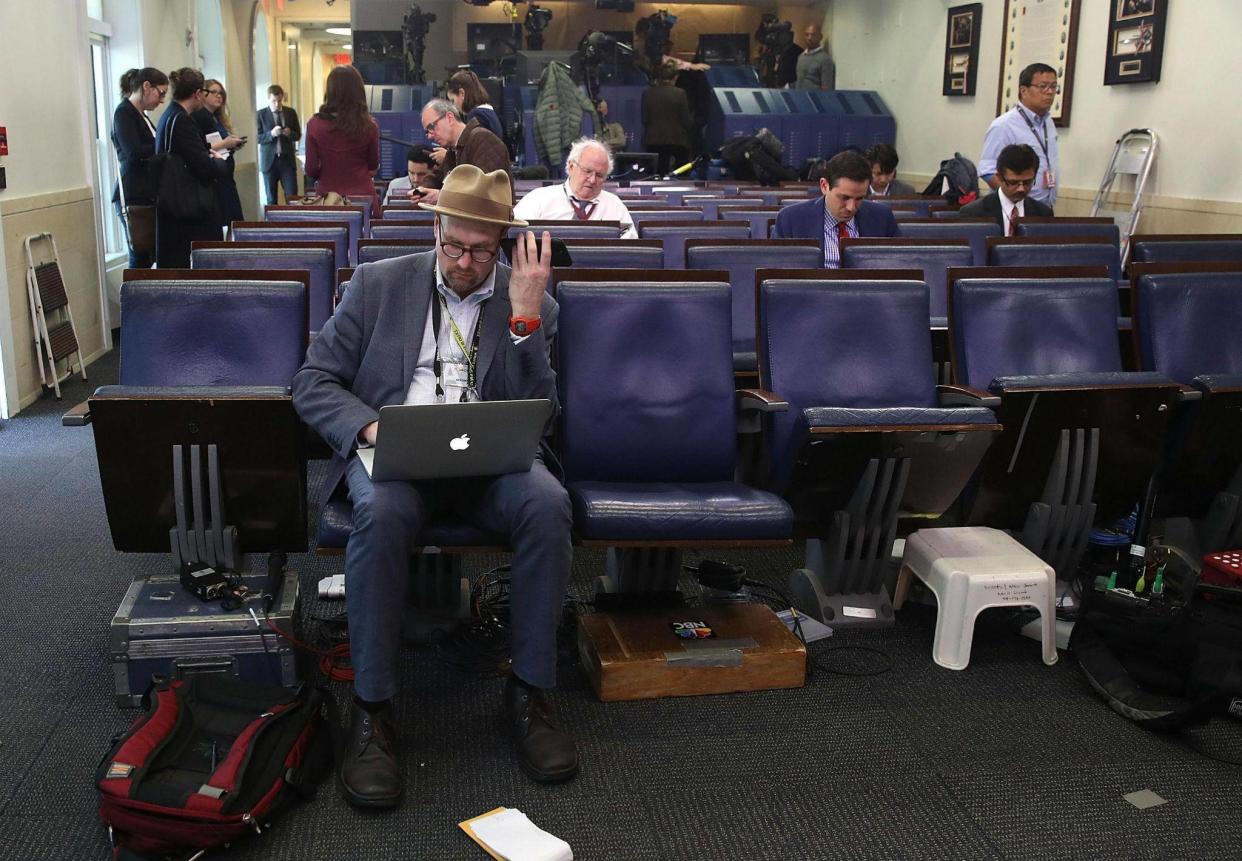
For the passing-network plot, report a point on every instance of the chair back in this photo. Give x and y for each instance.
(181, 327)
(933, 256)
(675, 234)
(371, 250)
(974, 230)
(358, 218)
(1185, 248)
(389, 229)
(1186, 323)
(1016, 326)
(645, 375)
(272, 232)
(316, 258)
(1053, 251)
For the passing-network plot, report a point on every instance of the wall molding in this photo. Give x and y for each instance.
(35, 202)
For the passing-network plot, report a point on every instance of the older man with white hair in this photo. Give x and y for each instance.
(582, 197)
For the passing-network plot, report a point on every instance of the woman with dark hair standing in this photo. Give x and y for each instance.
(178, 133)
(467, 92)
(133, 135)
(213, 118)
(342, 139)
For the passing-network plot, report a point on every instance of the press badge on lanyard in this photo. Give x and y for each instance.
(455, 377)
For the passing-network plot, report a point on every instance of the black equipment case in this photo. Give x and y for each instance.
(162, 633)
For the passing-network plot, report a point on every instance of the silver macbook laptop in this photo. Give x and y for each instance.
(455, 440)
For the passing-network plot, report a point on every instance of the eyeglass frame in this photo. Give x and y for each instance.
(1017, 183)
(213, 92)
(431, 127)
(1046, 88)
(590, 174)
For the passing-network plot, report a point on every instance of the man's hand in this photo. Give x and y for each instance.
(532, 263)
(437, 154)
(367, 434)
(430, 195)
(276, 130)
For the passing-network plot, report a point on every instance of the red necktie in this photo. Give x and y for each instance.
(582, 211)
(843, 231)
(1013, 213)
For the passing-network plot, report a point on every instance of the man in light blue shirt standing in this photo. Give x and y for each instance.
(1027, 123)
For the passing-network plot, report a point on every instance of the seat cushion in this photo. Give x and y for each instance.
(336, 518)
(708, 511)
(838, 417)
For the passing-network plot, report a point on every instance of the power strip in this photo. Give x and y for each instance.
(1034, 630)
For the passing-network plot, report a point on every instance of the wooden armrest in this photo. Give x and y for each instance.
(965, 396)
(78, 416)
(761, 400)
(1185, 394)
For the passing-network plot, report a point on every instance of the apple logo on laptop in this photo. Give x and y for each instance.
(460, 443)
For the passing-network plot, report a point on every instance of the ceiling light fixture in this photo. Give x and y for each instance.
(339, 31)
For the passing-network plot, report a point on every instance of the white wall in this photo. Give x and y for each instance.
(897, 48)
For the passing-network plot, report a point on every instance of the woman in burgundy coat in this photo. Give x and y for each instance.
(342, 139)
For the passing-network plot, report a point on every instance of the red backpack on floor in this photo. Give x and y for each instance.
(212, 760)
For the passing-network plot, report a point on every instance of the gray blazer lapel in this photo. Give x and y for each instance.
(495, 323)
(420, 280)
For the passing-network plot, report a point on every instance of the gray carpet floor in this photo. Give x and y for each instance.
(1008, 759)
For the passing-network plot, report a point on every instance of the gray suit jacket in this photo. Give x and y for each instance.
(897, 188)
(365, 355)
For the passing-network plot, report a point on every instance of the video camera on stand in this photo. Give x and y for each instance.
(775, 38)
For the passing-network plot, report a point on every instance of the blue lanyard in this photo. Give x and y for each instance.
(1043, 125)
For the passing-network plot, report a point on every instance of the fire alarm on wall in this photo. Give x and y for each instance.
(4, 140)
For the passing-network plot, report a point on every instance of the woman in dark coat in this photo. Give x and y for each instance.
(214, 118)
(133, 135)
(467, 92)
(179, 133)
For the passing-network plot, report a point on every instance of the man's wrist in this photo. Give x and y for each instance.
(522, 325)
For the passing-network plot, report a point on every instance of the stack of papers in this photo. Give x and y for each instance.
(507, 835)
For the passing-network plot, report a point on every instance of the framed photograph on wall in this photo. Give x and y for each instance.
(1040, 31)
(961, 50)
(1135, 41)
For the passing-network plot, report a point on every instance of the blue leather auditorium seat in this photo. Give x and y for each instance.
(296, 231)
(1076, 425)
(1185, 248)
(868, 435)
(975, 230)
(317, 258)
(742, 259)
(358, 219)
(1054, 251)
(370, 250)
(649, 426)
(616, 253)
(386, 229)
(675, 234)
(932, 256)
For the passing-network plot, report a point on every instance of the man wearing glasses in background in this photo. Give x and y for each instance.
(582, 196)
(458, 143)
(1016, 168)
(1028, 123)
(383, 346)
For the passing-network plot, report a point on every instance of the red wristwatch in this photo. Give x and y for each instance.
(523, 326)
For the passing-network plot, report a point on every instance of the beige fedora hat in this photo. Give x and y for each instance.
(471, 194)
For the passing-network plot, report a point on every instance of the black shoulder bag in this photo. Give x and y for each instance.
(179, 194)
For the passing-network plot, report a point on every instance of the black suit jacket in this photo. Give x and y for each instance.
(135, 144)
(266, 121)
(990, 207)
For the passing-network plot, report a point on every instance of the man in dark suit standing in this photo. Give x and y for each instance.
(842, 212)
(443, 326)
(1015, 166)
(279, 133)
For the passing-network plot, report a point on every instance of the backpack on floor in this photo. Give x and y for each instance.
(212, 760)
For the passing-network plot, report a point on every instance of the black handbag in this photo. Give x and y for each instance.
(179, 194)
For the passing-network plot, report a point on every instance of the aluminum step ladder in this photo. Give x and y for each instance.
(55, 336)
(1133, 156)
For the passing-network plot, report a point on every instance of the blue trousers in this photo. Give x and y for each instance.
(531, 508)
(285, 170)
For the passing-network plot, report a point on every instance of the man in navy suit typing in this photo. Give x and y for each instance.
(842, 212)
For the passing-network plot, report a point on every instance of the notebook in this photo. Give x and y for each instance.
(417, 442)
(507, 835)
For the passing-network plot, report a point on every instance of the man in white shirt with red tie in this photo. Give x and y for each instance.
(1016, 168)
(582, 196)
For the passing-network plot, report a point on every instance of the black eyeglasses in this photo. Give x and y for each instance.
(432, 127)
(214, 92)
(1018, 183)
(454, 252)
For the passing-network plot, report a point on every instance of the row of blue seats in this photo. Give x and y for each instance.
(652, 456)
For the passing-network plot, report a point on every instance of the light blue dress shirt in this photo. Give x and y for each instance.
(1011, 128)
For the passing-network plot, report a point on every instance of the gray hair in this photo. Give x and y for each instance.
(581, 144)
(444, 106)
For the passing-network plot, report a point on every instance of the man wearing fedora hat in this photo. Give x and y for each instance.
(380, 348)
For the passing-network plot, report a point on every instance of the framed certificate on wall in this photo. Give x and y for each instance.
(1135, 41)
(1039, 31)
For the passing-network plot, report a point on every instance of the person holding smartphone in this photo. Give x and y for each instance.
(279, 133)
(213, 118)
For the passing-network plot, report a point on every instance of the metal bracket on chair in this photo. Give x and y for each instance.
(200, 541)
(1057, 527)
(843, 583)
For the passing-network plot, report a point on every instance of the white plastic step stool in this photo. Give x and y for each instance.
(972, 568)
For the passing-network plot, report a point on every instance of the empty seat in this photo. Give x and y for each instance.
(575, 229)
(675, 234)
(932, 256)
(358, 218)
(385, 229)
(742, 258)
(641, 216)
(616, 253)
(921, 206)
(1053, 251)
(316, 231)
(975, 230)
(648, 427)
(317, 258)
(760, 217)
(1043, 225)
(1082, 437)
(370, 250)
(418, 216)
(1192, 247)
(867, 437)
